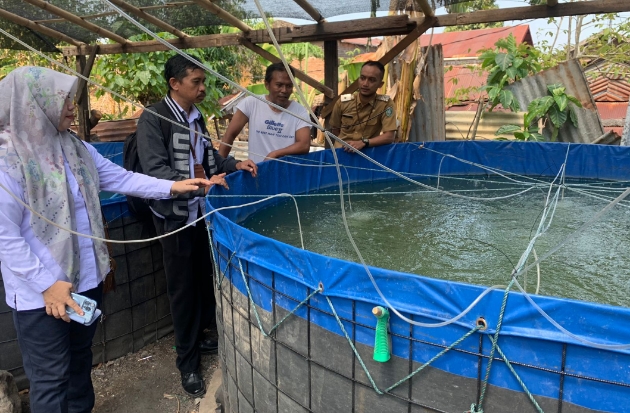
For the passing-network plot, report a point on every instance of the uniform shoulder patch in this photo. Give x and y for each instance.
(384, 98)
(389, 112)
(346, 97)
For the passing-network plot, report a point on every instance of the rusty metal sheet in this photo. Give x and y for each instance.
(427, 120)
(114, 130)
(468, 43)
(569, 74)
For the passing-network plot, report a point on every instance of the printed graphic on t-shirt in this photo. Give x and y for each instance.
(268, 130)
(275, 129)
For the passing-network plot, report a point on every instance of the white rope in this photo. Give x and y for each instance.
(598, 197)
(71, 231)
(564, 330)
(382, 167)
(419, 192)
(578, 231)
(329, 137)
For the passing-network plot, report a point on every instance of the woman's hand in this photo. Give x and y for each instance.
(189, 185)
(57, 297)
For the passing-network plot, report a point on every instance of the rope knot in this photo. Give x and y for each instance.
(473, 409)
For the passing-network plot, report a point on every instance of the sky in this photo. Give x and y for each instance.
(538, 27)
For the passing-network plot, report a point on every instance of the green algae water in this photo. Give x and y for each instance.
(403, 227)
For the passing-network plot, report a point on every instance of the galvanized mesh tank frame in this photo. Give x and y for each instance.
(302, 367)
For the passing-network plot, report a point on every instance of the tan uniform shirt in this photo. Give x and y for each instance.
(350, 115)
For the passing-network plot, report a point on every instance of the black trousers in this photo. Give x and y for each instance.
(189, 283)
(57, 359)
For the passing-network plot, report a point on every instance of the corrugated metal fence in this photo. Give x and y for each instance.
(570, 75)
(458, 124)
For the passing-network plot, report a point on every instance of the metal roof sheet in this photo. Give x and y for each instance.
(571, 76)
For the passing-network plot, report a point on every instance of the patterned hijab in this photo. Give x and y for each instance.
(32, 152)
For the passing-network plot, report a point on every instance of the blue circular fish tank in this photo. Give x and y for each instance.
(297, 329)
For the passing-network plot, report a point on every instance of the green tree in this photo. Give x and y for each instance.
(565, 39)
(611, 44)
(470, 6)
(11, 59)
(507, 63)
(139, 77)
(553, 110)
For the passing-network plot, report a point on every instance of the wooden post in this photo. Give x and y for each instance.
(625, 136)
(428, 119)
(83, 102)
(426, 24)
(331, 72)
(86, 70)
(331, 65)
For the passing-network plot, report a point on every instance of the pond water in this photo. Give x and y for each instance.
(403, 227)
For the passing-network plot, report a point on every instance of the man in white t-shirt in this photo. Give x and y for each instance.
(272, 133)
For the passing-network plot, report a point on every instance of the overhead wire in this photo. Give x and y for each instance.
(329, 137)
(382, 168)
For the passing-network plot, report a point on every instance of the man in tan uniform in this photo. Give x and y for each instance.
(366, 118)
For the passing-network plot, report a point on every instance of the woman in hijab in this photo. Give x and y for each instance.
(60, 177)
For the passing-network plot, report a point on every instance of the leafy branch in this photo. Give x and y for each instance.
(507, 63)
(553, 110)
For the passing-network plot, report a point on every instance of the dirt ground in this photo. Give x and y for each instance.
(143, 382)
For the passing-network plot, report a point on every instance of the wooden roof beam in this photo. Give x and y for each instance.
(77, 20)
(426, 24)
(425, 7)
(224, 15)
(389, 25)
(310, 10)
(386, 26)
(552, 3)
(39, 28)
(112, 13)
(298, 73)
(534, 12)
(383, 26)
(191, 42)
(149, 18)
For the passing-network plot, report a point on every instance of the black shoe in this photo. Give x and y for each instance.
(193, 384)
(208, 346)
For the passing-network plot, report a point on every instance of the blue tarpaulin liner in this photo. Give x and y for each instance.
(526, 336)
(110, 150)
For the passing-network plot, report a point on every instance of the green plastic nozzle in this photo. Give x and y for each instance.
(381, 339)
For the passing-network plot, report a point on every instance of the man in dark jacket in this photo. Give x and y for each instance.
(187, 261)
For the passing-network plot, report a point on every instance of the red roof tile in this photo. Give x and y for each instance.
(605, 89)
(468, 43)
(612, 110)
